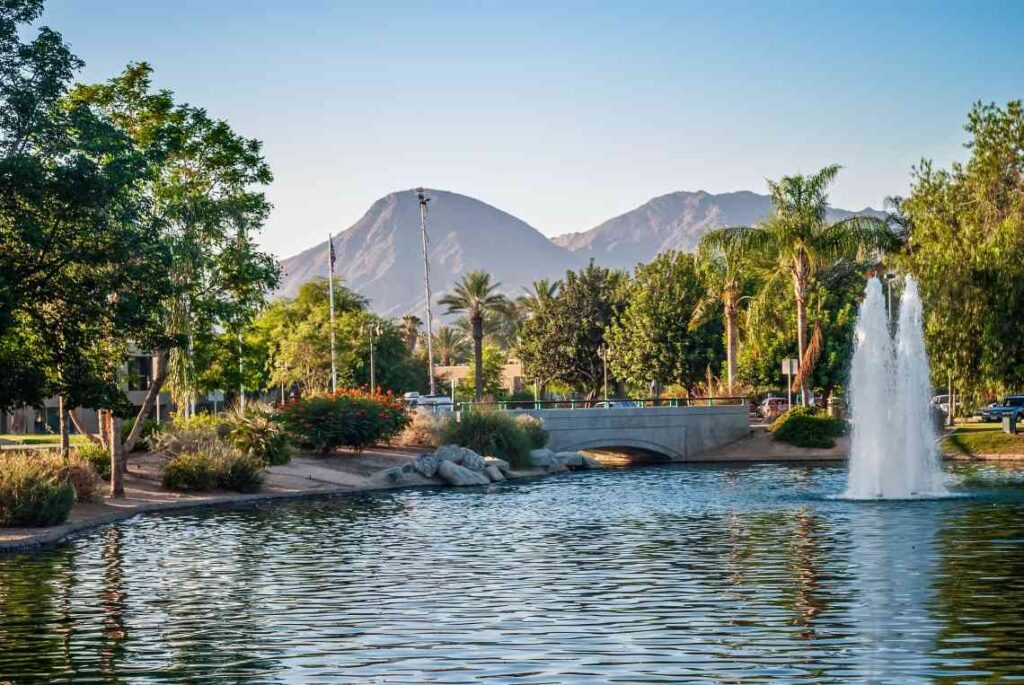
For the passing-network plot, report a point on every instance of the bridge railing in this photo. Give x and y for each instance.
(610, 403)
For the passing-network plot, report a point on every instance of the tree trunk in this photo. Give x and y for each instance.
(65, 441)
(116, 474)
(801, 331)
(159, 377)
(78, 426)
(731, 335)
(478, 355)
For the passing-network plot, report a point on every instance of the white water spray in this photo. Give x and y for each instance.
(892, 452)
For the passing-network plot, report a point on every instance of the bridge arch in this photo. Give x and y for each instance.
(627, 444)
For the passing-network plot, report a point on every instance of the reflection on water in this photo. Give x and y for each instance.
(668, 574)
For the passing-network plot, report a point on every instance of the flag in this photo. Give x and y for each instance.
(330, 242)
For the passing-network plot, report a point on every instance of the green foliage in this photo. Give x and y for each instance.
(190, 472)
(493, 364)
(149, 427)
(806, 427)
(476, 297)
(651, 340)
(348, 418)
(966, 247)
(490, 433)
(33, 491)
(218, 466)
(97, 456)
(534, 429)
(561, 339)
(254, 432)
(190, 434)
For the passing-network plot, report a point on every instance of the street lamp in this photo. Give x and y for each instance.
(603, 352)
(423, 200)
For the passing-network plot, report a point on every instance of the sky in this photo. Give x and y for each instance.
(563, 114)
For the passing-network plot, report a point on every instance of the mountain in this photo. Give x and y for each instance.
(380, 256)
(672, 222)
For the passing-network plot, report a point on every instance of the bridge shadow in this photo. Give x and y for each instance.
(617, 456)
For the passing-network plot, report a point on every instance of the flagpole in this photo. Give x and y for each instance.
(330, 288)
(423, 199)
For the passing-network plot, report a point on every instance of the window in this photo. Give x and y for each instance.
(140, 373)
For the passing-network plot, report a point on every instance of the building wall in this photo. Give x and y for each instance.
(512, 377)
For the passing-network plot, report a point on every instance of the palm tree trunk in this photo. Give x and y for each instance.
(801, 332)
(478, 355)
(730, 341)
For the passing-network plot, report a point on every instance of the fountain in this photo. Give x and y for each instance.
(893, 453)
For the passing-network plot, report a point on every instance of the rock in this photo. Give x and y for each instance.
(426, 465)
(570, 459)
(403, 475)
(494, 473)
(500, 464)
(456, 454)
(453, 474)
(591, 464)
(543, 458)
(472, 460)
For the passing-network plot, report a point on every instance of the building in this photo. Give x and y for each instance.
(512, 378)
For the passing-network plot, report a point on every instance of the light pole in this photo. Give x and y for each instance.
(889, 278)
(373, 329)
(603, 353)
(423, 199)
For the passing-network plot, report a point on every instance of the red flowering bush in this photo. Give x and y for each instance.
(347, 418)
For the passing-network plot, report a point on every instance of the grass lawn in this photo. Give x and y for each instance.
(41, 439)
(982, 438)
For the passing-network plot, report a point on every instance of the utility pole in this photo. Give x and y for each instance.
(330, 288)
(423, 199)
(603, 352)
(373, 328)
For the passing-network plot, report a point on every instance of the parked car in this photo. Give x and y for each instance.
(609, 404)
(942, 403)
(1012, 405)
(430, 404)
(772, 407)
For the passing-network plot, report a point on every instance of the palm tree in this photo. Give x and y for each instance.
(797, 240)
(475, 296)
(722, 272)
(411, 331)
(449, 345)
(540, 291)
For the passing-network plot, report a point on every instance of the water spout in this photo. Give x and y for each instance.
(892, 446)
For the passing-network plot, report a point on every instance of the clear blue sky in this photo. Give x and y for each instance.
(564, 116)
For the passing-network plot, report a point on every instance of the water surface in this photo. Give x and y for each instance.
(664, 574)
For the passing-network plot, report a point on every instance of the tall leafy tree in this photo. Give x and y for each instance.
(797, 241)
(475, 296)
(966, 247)
(652, 338)
(564, 334)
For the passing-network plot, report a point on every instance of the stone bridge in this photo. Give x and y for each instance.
(672, 433)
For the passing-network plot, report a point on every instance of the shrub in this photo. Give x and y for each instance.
(807, 427)
(240, 472)
(199, 433)
(424, 430)
(219, 466)
(33, 490)
(149, 428)
(83, 477)
(490, 433)
(189, 472)
(96, 455)
(534, 429)
(348, 418)
(254, 432)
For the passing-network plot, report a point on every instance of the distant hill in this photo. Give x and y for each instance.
(380, 256)
(672, 222)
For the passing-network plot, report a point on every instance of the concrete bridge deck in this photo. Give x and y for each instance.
(673, 433)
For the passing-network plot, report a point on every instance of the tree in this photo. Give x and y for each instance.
(494, 360)
(652, 339)
(411, 331)
(449, 345)
(475, 295)
(725, 281)
(561, 339)
(966, 247)
(797, 240)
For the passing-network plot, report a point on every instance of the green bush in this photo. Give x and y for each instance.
(96, 455)
(219, 466)
(149, 428)
(807, 427)
(33, 490)
(190, 472)
(534, 429)
(490, 433)
(199, 433)
(240, 472)
(256, 433)
(348, 418)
